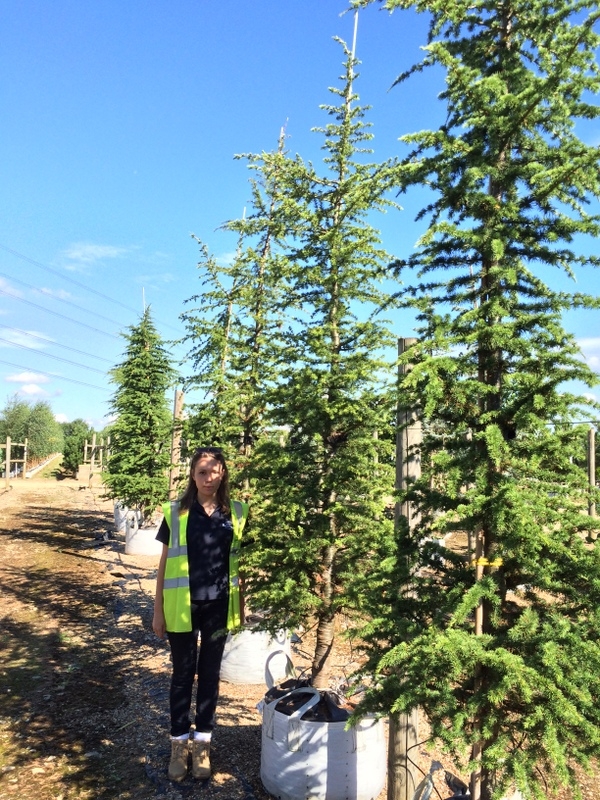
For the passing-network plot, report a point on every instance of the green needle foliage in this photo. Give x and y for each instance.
(233, 324)
(140, 453)
(324, 477)
(503, 654)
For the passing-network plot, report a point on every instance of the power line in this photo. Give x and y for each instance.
(60, 299)
(78, 283)
(54, 376)
(65, 277)
(54, 343)
(58, 358)
(56, 314)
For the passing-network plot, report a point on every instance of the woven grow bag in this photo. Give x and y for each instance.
(304, 759)
(120, 511)
(140, 541)
(252, 656)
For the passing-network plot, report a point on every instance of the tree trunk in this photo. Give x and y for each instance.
(323, 648)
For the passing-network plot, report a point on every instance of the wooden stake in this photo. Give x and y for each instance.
(402, 777)
(7, 470)
(592, 472)
(175, 444)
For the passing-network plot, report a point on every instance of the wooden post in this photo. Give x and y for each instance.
(402, 775)
(25, 459)
(477, 748)
(592, 467)
(409, 436)
(93, 454)
(175, 444)
(7, 468)
(591, 464)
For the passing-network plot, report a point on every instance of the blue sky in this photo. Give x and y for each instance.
(120, 125)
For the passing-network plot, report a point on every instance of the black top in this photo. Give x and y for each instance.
(208, 543)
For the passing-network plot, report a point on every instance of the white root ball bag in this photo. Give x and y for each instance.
(252, 656)
(120, 516)
(310, 760)
(140, 541)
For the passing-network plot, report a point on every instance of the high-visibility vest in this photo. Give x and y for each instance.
(176, 588)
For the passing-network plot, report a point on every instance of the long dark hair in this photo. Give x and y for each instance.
(189, 495)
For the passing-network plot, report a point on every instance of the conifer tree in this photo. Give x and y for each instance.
(498, 643)
(320, 518)
(234, 323)
(137, 469)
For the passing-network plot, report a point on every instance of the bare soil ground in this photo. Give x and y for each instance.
(84, 681)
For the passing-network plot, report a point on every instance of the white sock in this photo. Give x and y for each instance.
(201, 736)
(180, 738)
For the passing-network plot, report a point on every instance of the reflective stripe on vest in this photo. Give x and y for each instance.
(239, 515)
(176, 589)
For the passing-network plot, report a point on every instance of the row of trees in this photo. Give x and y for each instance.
(497, 643)
(35, 422)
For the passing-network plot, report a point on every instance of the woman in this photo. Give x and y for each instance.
(197, 593)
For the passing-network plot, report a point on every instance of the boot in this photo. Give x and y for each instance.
(178, 765)
(200, 759)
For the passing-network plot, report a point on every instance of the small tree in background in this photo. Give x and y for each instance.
(75, 434)
(44, 433)
(13, 419)
(140, 454)
(498, 641)
(36, 423)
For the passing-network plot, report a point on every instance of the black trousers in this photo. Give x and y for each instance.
(190, 657)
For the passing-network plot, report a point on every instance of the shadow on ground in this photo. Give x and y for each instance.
(84, 682)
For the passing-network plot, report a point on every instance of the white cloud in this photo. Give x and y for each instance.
(31, 339)
(6, 286)
(88, 252)
(61, 418)
(33, 389)
(27, 377)
(154, 281)
(225, 259)
(81, 255)
(590, 347)
(62, 294)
